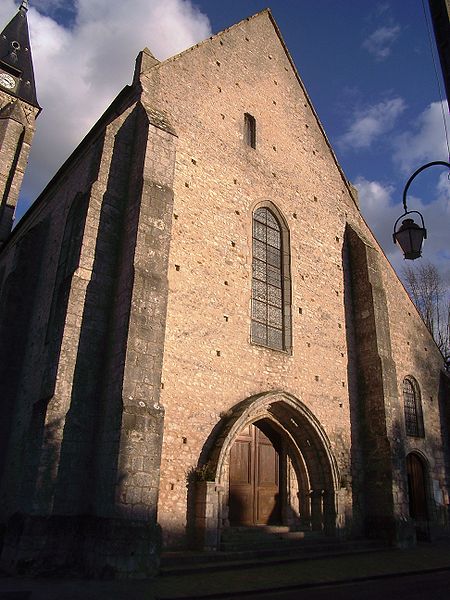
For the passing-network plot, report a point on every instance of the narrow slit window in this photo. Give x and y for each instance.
(250, 130)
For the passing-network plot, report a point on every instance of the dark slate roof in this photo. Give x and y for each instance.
(15, 55)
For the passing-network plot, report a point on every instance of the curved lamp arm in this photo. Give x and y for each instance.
(423, 167)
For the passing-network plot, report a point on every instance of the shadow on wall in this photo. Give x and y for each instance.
(72, 461)
(356, 410)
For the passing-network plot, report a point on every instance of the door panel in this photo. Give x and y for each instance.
(240, 463)
(241, 481)
(416, 488)
(254, 479)
(266, 480)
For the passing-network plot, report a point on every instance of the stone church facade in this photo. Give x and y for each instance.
(198, 330)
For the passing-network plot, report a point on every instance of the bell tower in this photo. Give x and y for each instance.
(18, 110)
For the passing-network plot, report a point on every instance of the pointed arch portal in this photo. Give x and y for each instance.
(274, 464)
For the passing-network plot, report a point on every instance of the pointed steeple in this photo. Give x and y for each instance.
(16, 64)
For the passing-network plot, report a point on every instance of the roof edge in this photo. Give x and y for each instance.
(128, 93)
(347, 183)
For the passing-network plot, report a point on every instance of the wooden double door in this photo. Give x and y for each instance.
(416, 488)
(254, 494)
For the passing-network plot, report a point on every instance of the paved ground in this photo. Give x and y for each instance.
(304, 575)
(426, 586)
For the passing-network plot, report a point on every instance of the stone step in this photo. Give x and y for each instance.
(186, 562)
(240, 538)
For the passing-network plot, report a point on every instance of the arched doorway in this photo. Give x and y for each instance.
(417, 489)
(254, 481)
(273, 463)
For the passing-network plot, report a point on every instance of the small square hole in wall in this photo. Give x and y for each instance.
(226, 318)
(233, 244)
(177, 267)
(184, 440)
(218, 352)
(316, 378)
(300, 311)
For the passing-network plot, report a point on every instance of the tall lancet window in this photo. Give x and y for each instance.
(271, 290)
(413, 408)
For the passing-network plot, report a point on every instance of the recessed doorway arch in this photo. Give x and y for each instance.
(283, 429)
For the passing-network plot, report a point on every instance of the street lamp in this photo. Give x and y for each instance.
(409, 236)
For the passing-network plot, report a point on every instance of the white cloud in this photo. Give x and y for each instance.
(379, 43)
(425, 141)
(80, 70)
(371, 123)
(376, 200)
(381, 206)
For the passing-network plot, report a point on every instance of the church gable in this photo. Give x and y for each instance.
(245, 69)
(206, 293)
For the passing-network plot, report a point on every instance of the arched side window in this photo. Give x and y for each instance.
(271, 289)
(413, 408)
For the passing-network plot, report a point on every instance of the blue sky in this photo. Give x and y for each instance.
(367, 66)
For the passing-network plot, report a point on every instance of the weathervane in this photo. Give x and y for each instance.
(24, 5)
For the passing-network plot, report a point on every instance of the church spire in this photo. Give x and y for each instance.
(16, 64)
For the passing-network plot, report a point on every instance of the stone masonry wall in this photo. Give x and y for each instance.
(209, 363)
(72, 443)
